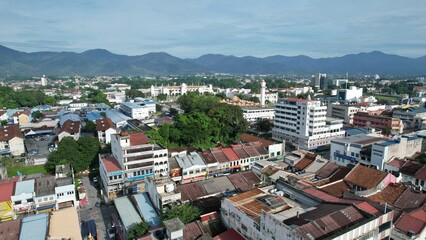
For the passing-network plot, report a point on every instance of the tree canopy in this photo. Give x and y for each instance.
(137, 230)
(82, 154)
(10, 98)
(185, 212)
(133, 93)
(206, 122)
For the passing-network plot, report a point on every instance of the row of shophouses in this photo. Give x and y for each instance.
(135, 158)
(37, 193)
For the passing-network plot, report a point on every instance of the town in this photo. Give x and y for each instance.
(216, 156)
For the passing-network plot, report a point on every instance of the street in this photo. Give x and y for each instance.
(101, 215)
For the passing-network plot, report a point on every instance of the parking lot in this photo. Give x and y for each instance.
(38, 146)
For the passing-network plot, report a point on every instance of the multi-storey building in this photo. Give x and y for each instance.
(179, 90)
(135, 110)
(365, 119)
(257, 113)
(353, 94)
(345, 112)
(303, 123)
(105, 128)
(133, 159)
(11, 141)
(354, 149)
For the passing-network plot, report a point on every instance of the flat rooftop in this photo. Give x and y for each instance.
(360, 139)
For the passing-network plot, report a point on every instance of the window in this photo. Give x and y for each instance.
(243, 227)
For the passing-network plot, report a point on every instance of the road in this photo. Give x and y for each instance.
(101, 215)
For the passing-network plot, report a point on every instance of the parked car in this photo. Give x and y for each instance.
(111, 233)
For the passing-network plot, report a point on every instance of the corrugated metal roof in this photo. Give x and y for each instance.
(189, 160)
(191, 191)
(240, 182)
(34, 227)
(127, 211)
(24, 187)
(218, 185)
(146, 209)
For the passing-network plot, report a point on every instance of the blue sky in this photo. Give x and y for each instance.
(191, 28)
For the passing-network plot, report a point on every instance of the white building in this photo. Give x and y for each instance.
(70, 129)
(23, 198)
(179, 90)
(11, 141)
(354, 149)
(77, 105)
(193, 167)
(294, 91)
(303, 123)
(353, 94)
(255, 114)
(162, 192)
(105, 128)
(148, 103)
(116, 97)
(43, 81)
(343, 111)
(405, 146)
(339, 82)
(136, 110)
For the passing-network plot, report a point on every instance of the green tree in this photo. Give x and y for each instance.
(90, 127)
(185, 212)
(89, 149)
(37, 115)
(158, 107)
(137, 230)
(174, 112)
(162, 97)
(133, 93)
(4, 122)
(254, 99)
(264, 125)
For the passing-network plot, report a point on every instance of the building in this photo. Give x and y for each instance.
(174, 228)
(34, 227)
(320, 81)
(45, 196)
(294, 91)
(258, 214)
(105, 128)
(384, 123)
(351, 95)
(264, 96)
(77, 105)
(22, 117)
(354, 149)
(405, 146)
(179, 90)
(23, 198)
(342, 111)
(126, 216)
(64, 224)
(11, 141)
(411, 225)
(133, 159)
(43, 81)
(146, 210)
(6, 204)
(193, 167)
(117, 117)
(340, 82)
(163, 192)
(70, 129)
(149, 103)
(64, 187)
(135, 110)
(303, 123)
(254, 114)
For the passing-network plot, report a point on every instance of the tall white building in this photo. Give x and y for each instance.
(43, 80)
(179, 90)
(303, 123)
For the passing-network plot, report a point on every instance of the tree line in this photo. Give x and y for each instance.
(10, 98)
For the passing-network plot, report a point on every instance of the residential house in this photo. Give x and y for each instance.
(162, 192)
(105, 128)
(211, 162)
(70, 129)
(193, 167)
(11, 141)
(22, 117)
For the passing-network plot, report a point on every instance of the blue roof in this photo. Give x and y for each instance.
(34, 227)
(355, 131)
(146, 209)
(388, 142)
(127, 212)
(24, 187)
(93, 116)
(68, 116)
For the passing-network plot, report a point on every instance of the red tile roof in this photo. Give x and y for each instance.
(208, 157)
(251, 177)
(397, 163)
(138, 138)
(388, 195)
(111, 164)
(304, 163)
(104, 124)
(7, 189)
(238, 149)
(365, 177)
(250, 150)
(10, 230)
(336, 189)
(230, 234)
(71, 127)
(219, 155)
(413, 221)
(230, 154)
(251, 138)
(9, 132)
(25, 112)
(365, 206)
(259, 147)
(327, 170)
(421, 174)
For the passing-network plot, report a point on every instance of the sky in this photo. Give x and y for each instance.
(191, 28)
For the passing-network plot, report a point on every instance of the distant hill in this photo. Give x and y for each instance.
(103, 62)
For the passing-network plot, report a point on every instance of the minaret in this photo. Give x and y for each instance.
(262, 92)
(43, 80)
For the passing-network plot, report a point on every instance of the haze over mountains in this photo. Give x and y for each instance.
(102, 62)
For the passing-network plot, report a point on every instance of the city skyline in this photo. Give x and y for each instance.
(193, 28)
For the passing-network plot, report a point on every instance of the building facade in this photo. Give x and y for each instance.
(255, 114)
(179, 90)
(303, 123)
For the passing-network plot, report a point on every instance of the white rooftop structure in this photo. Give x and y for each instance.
(189, 160)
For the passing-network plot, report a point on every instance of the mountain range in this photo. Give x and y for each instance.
(102, 62)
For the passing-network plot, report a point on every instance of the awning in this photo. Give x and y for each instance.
(46, 207)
